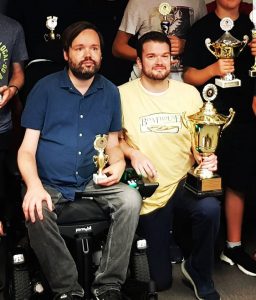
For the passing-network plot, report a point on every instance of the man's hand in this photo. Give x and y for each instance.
(207, 162)
(177, 45)
(252, 45)
(32, 203)
(114, 173)
(1, 229)
(7, 93)
(222, 67)
(142, 165)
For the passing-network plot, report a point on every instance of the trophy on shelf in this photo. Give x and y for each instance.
(165, 9)
(101, 159)
(51, 23)
(252, 71)
(226, 46)
(205, 128)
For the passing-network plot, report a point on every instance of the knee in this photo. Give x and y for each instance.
(209, 209)
(131, 200)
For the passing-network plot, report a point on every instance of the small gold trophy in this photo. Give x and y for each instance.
(226, 46)
(165, 10)
(101, 159)
(252, 71)
(51, 23)
(205, 128)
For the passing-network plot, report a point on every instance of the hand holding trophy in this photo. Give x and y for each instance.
(252, 71)
(101, 159)
(205, 128)
(226, 46)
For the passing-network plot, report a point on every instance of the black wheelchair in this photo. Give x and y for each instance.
(85, 237)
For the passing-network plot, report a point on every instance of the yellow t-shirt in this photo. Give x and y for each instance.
(153, 124)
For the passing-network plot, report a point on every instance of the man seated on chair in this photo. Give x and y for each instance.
(63, 114)
(159, 147)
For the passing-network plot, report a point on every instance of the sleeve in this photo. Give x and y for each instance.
(116, 122)
(19, 53)
(201, 10)
(33, 115)
(131, 19)
(196, 101)
(190, 53)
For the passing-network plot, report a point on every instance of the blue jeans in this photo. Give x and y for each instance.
(57, 262)
(195, 227)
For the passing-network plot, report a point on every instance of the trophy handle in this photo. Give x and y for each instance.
(229, 118)
(244, 42)
(208, 45)
(185, 121)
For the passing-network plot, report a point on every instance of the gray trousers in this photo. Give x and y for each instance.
(55, 259)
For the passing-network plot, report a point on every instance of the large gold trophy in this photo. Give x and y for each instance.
(205, 128)
(226, 46)
(101, 159)
(252, 71)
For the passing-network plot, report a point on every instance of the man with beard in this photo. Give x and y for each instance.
(63, 114)
(159, 147)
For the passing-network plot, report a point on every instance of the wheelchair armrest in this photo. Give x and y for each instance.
(131, 178)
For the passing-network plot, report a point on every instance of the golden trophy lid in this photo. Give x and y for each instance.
(165, 8)
(207, 114)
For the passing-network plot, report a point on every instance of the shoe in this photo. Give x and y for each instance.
(176, 255)
(203, 290)
(238, 256)
(110, 295)
(68, 296)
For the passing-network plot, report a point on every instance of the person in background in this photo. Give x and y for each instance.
(13, 53)
(201, 67)
(160, 149)
(64, 113)
(142, 16)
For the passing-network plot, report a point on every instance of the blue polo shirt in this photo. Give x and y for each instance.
(68, 122)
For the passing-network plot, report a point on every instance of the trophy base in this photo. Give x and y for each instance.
(227, 83)
(252, 73)
(98, 177)
(203, 187)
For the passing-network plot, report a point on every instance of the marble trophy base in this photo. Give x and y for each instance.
(203, 187)
(227, 83)
(252, 73)
(98, 177)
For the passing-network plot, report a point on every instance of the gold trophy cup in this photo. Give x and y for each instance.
(101, 159)
(51, 24)
(205, 128)
(252, 71)
(226, 46)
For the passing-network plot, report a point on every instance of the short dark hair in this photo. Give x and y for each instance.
(73, 30)
(155, 36)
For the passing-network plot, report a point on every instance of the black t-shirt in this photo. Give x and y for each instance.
(198, 56)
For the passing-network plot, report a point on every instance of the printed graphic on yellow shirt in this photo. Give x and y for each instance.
(161, 123)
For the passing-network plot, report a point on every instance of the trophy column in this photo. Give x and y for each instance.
(101, 159)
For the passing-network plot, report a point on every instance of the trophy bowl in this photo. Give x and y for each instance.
(205, 128)
(227, 46)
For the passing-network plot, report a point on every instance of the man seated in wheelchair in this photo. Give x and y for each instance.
(71, 117)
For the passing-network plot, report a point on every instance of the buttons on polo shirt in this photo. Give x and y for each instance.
(76, 172)
(80, 134)
(79, 152)
(81, 116)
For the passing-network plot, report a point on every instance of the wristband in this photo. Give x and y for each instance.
(17, 89)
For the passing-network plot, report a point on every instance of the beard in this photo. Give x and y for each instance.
(82, 72)
(154, 75)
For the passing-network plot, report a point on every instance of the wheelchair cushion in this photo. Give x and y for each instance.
(84, 209)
